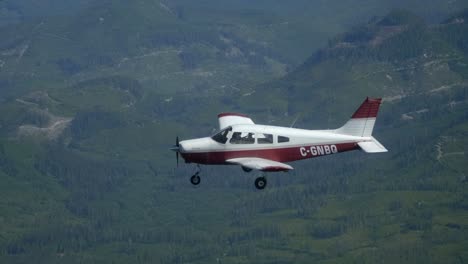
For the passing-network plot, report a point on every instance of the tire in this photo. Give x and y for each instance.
(195, 179)
(260, 183)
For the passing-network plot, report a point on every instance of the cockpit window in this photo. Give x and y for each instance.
(221, 137)
(242, 138)
(264, 138)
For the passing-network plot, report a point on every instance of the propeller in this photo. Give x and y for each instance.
(176, 148)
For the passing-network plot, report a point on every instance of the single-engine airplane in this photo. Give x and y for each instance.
(267, 148)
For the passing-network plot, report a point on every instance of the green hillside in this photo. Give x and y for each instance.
(420, 185)
(91, 101)
(174, 45)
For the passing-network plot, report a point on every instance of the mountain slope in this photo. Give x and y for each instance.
(418, 188)
(103, 188)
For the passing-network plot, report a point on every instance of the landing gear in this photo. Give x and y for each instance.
(246, 169)
(195, 179)
(260, 183)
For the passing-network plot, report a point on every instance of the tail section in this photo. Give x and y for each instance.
(372, 146)
(362, 122)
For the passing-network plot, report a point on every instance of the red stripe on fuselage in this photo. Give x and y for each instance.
(276, 154)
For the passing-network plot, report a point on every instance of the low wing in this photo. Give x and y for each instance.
(229, 119)
(260, 164)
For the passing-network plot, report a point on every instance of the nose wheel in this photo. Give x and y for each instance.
(260, 183)
(195, 179)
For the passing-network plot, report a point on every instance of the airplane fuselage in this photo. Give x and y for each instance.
(284, 145)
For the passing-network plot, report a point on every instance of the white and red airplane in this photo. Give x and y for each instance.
(267, 148)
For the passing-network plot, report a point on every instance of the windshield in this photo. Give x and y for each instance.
(221, 137)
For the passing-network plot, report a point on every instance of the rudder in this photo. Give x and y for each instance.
(362, 121)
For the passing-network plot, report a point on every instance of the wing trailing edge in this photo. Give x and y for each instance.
(260, 164)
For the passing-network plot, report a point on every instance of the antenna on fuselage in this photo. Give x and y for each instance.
(295, 120)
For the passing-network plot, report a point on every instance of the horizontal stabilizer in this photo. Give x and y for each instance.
(372, 146)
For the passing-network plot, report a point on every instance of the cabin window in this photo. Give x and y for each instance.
(221, 137)
(264, 138)
(242, 138)
(282, 139)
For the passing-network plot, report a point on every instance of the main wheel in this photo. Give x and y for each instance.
(195, 179)
(260, 183)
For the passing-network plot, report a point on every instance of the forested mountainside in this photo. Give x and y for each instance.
(88, 111)
(174, 46)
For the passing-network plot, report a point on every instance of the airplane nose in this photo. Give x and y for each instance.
(181, 147)
(197, 145)
(178, 148)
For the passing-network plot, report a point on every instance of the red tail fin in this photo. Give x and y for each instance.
(369, 108)
(362, 122)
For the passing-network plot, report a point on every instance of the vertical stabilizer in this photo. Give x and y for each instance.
(362, 121)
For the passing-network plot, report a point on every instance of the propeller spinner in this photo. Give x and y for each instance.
(176, 148)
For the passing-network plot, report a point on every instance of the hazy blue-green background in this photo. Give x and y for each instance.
(93, 93)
